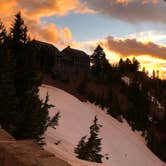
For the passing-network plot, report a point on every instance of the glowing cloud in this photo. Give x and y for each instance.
(129, 47)
(7, 7)
(34, 10)
(148, 36)
(45, 8)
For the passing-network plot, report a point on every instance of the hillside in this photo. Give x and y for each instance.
(125, 148)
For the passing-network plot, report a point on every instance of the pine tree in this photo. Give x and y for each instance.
(80, 149)
(28, 118)
(121, 66)
(22, 113)
(3, 33)
(8, 99)
(153, 74)
(99, 62)
(54, 121)
(19, 30)
(90, 150)
(95, 60)
(139, 106)
(135, 65)
(114, 109)
(94, 143)
(3, 36)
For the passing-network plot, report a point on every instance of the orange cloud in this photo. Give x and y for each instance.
(50, 33)
(7, 7)
(67, 34)
(6, 10)
(38, 8)
(129, 47)
(34, 10)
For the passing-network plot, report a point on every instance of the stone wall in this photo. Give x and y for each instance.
(25, 153)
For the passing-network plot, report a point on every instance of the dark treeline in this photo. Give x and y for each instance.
(25, 64)
(22, 113)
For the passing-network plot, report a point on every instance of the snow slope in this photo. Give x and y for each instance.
(125, 148)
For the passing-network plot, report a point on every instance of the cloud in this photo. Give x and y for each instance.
(32, 12)
(133, 11)
(148, 36)
(49, 32)
(44, 8)
(7, 7)
(132, 47)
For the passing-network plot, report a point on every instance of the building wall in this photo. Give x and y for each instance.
(72, 60)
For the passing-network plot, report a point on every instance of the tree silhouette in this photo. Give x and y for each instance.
(22, 112)
(90, 150)
(99, 62)
(3, 32)
(19, 30)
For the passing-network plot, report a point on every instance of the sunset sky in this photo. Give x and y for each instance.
(125, 28)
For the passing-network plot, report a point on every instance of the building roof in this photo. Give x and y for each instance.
(74, 52)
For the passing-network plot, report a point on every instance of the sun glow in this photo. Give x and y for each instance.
(146, 61)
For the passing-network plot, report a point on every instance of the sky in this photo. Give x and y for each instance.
(124, 28)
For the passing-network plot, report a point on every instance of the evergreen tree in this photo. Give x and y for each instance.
(128, 62)
(3, 33)
(144, 70)
(46, 121)
(99, 62)
(139, 106)
(54, 121)
(135, 65)
(95, 60)
(19, 30)
(94, 143)
(128, 65)
(3, 36)
(80, 150)
(121, 66)
(157, 74)
(23, 114)
(90, 150)
(114, 109)
(8, 99)
(153, 74)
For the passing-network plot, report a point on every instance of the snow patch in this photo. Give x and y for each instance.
(125, 147)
